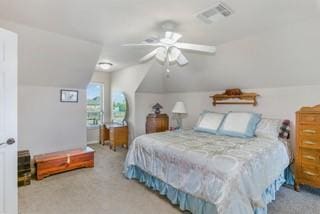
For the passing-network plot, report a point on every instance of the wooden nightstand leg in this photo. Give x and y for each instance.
(112, 147)
(296, 186)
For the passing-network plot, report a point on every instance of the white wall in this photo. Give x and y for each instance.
(47, 62)
(143, 106)
(103, 78)
(273, 102)
(47, 125)
(128, 81)
(279, 103)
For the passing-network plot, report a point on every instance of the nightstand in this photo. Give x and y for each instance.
(115, 134)
(157, 123)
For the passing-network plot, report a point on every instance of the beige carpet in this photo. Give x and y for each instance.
(105, 190)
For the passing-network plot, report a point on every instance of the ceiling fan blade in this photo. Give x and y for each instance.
(194, 47)
(173, 54)
(172, 36)
(149, 55)
(152, 40)
(182, 60)
(162, 54)
(143, 44)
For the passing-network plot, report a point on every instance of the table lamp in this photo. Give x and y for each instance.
(179, 111)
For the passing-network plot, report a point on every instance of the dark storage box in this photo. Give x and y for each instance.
(24, 168)
(24, 179)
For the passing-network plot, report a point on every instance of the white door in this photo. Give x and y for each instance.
(8, 123)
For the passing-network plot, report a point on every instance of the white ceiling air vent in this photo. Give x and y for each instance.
(219, 11)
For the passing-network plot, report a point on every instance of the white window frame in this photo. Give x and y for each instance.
(102, 106)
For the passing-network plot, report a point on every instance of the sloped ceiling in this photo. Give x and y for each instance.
(50, 59)
(284, 57)
(113, 22)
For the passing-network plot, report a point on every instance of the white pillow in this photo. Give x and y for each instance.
(209, 122)
(240, 124)
(269, 128)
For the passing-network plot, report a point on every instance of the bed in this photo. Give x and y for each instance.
(206, 173)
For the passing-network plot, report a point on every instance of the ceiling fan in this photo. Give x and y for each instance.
(169, 49)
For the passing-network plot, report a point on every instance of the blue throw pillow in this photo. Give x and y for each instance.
(240, 124)
(209, 122)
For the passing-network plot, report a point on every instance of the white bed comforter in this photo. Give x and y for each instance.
(232, 173)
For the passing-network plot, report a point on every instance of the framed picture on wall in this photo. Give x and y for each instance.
(69, 96)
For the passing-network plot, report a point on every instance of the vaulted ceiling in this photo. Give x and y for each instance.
(109, 24)
(50, 59)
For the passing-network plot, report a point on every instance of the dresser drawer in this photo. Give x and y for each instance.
(310, 173)
(310, 156)
(311, 142)
(310, 118)
(309, 130)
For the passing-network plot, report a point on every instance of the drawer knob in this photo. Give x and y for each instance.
(309, 131)
(309, 142)
(309, 173)
(309, 157)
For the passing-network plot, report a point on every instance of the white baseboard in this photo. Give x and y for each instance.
(92, 142)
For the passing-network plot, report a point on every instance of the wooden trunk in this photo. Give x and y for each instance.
(56, 162)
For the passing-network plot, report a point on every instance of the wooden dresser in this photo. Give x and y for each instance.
(307, 154)
(115, 135)
(157, 123)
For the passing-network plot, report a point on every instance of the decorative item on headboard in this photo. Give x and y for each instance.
(235, 96)
(156, 108)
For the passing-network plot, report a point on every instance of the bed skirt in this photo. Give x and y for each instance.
(195, 205)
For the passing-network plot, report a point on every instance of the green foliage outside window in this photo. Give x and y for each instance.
(94, 104)
(119, 107)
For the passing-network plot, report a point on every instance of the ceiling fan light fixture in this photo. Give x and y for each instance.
(105, 65)
(169, 51)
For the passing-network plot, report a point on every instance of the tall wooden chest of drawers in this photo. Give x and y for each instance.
(307, 155)
(157, 123)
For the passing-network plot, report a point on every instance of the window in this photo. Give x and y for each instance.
(95, 112)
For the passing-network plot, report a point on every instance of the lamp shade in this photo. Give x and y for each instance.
(179, 108)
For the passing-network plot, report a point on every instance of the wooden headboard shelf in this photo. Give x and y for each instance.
(235, 96)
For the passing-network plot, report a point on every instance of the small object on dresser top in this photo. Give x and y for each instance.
(157, 108)
(56, 162)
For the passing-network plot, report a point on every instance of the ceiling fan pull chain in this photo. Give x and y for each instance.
(167, 63)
